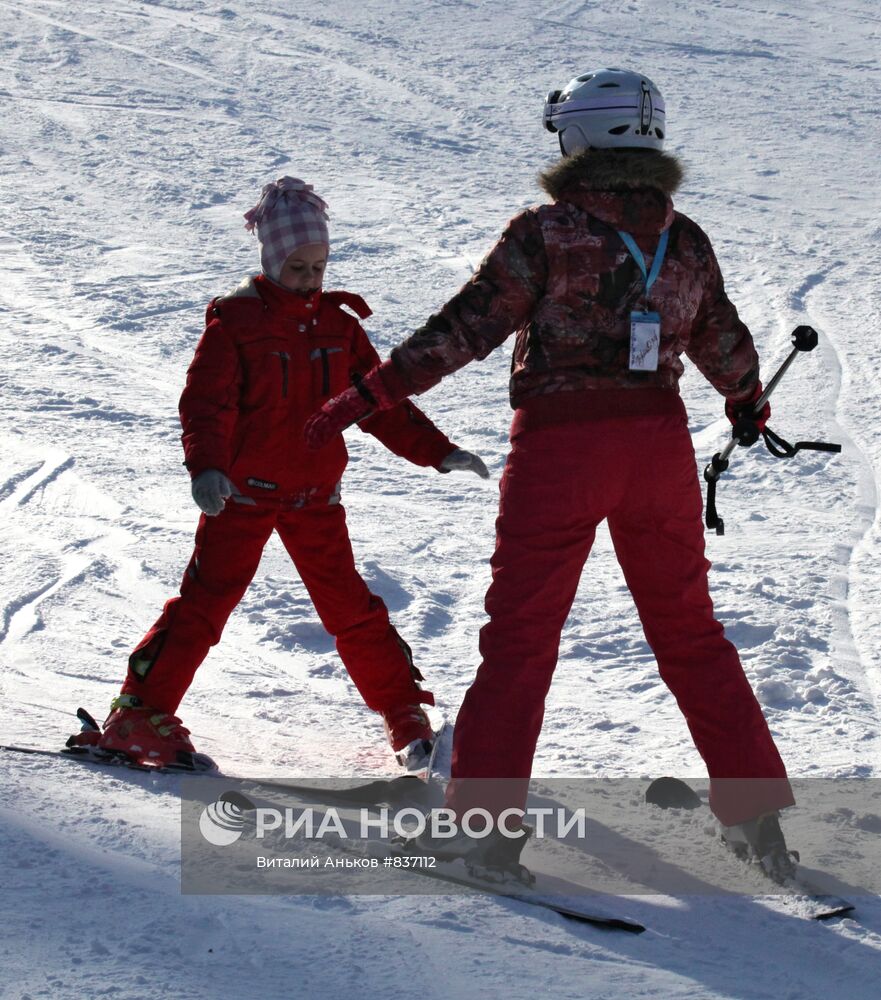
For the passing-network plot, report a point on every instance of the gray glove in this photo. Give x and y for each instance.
(464, 461)
(210, 490)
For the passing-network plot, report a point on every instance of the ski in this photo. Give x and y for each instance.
(393, 791)
(545, 891)
(382, 790)
(513, 888)
(378, 792)
(86, 755)
(802, 895)
(534, 897)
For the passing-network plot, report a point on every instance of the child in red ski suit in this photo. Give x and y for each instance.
(594, 438)
(272, 352)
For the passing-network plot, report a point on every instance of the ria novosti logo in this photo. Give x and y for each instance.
(223, 822)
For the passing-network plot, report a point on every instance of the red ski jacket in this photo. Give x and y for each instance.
(267, 361)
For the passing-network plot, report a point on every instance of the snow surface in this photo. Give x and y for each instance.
(134, 135)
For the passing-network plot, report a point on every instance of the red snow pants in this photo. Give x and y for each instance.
(561, 480)
(226, 556)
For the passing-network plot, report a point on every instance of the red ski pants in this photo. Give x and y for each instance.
(226, 556)
(560, 482)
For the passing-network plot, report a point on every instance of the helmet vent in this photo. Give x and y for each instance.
(604, 85)
(659, 133)
(618, 130)
(585, 78)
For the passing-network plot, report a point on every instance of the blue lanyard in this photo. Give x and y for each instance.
(648, 276)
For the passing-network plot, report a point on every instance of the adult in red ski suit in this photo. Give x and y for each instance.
(272, 352)
(594, 439)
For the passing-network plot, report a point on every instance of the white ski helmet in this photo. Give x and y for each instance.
(604, 109)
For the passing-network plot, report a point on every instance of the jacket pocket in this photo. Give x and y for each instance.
(329, 369)
(285, 359)
(267, 375)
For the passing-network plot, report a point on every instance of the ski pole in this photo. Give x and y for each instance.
(746, 432)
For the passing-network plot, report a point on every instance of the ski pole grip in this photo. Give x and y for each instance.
(746, 431)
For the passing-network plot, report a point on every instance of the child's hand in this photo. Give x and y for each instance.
(464, 461)
(335, 416)
(210, 490)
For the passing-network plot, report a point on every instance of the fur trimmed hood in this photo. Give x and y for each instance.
(626, 189)
(613, 170)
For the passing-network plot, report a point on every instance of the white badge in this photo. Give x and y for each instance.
(645, 337)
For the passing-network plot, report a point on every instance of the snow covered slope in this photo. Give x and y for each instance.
(133, 135)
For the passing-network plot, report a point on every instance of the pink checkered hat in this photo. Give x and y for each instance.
(289, 215)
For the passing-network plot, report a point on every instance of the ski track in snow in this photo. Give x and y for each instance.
(133, 137)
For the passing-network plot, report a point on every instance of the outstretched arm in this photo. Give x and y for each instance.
(404, 429)
(499, 298)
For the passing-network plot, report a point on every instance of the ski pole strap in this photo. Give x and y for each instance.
(712, 472)
(783, 449)
(778, 448)
(649, 277)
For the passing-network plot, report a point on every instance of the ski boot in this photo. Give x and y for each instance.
(142, 736)
(493, 857)
(410, 735)
(760, 841)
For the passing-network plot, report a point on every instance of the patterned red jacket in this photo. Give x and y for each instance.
(563, 279)
(267, 360)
